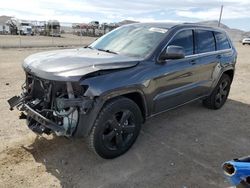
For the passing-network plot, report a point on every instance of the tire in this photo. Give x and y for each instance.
(220, 93)
(243, 43)
(116, 128)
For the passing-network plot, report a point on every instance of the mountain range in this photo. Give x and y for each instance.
(235, 34)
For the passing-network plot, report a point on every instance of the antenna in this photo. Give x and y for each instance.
(221, 10)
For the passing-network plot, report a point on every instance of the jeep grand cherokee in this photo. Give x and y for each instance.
(105, 91)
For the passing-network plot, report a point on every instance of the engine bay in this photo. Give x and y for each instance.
(51, 106)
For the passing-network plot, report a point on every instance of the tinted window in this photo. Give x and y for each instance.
(205, 41)
(185, 40)
(221, 41)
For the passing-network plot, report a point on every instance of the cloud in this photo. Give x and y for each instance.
(213, 13)
(116, 10)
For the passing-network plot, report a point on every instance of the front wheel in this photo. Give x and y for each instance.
(116, 128)
(220, 93)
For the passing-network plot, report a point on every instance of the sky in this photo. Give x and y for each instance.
(236, 13)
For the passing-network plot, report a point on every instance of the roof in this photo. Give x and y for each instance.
(167, 25)
(164, 25)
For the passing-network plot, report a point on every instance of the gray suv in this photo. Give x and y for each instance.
(105, 91)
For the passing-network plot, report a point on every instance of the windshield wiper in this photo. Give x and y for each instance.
(108, 51)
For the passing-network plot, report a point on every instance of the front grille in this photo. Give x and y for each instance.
(47, 91)
(36, 87)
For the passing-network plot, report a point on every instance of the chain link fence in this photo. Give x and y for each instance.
(51, 34)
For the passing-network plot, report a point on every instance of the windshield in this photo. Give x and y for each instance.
(132, 40)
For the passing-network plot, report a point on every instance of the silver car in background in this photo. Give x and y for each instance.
(246, 41)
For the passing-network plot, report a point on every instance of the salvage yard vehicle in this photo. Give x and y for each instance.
(105, 91)
(25, 28)
(52, 28)
(246, 41)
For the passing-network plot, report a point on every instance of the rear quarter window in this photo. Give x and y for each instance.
(205, 41)
(221, 41)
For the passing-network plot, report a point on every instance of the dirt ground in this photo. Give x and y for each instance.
(180, 148)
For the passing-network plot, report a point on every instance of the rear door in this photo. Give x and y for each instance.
(224, 49)
(207, 59)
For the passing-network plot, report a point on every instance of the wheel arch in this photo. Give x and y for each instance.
(86, 122)
(230, 73)
(136, 96)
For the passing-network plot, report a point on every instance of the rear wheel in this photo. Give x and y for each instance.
(220, 93)
(116, 128)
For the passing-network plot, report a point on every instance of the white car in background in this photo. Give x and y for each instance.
(246, 41)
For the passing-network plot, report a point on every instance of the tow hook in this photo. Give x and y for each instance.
(22, 116)
(14, 101)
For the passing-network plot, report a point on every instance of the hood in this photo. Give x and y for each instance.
(72, 64)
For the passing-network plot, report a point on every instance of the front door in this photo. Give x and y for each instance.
(178, 80)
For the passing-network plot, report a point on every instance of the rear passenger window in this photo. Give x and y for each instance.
(205, 41)
(221, 41)
(185, 40)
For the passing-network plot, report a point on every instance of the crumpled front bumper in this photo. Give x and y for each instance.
(42, 123)
(42, 120)
(19, 102)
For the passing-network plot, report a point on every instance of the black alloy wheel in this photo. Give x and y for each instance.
(116, 128)
(119, 130)
(220, 93)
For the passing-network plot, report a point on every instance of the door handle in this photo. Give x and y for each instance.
(219, 56)
(193, 62)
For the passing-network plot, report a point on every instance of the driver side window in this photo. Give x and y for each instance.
(184, 39)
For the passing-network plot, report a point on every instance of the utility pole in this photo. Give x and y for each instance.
(52, 29)
(221, 10)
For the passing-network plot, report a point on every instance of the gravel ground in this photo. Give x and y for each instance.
(180, 148)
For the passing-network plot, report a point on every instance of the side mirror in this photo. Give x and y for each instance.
(172, 52)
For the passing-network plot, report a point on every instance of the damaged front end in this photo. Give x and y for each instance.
(51, 106)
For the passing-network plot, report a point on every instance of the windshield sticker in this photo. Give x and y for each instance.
(159, 30)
